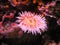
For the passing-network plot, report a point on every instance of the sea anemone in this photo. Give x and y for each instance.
(31, 23)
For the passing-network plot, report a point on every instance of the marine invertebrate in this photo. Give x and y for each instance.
(46, 10)
(14, 2)
(31, 22)
(58, 21)
(7, 28)
(18, 2)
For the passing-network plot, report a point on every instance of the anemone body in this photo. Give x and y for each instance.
(31, 22)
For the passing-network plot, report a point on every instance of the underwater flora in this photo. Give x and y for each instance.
(31, 22)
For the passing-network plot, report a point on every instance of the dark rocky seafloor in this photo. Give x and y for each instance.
(51, 36)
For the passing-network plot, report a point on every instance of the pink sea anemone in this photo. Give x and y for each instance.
(31, 22)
